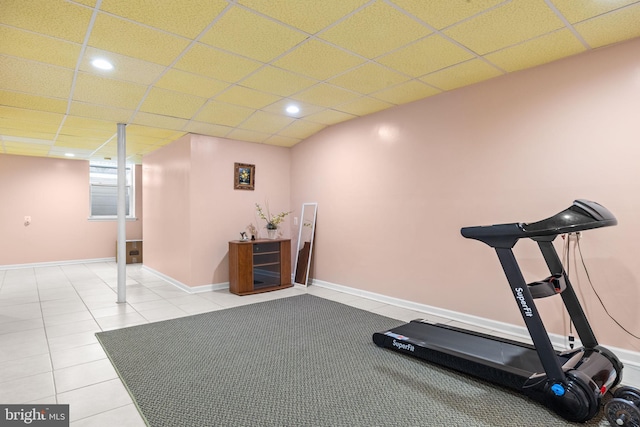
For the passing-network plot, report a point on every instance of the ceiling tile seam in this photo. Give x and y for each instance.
(283, 54)
(568, 24)
(609, 12)
(333, 23)
(436, 31)
(47, 36)
(307, 40)
(191, 44)
(83, 49)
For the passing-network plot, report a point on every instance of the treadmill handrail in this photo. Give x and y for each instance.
(581, 215)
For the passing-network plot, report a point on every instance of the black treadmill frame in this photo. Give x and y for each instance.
(593, 378)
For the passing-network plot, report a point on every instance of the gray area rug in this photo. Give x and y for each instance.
(299, 361)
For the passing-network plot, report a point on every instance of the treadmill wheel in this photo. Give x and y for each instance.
(631, 394)
(622, 412)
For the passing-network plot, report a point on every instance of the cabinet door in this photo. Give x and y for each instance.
(266, 265)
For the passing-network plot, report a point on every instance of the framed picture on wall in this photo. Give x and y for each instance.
(244, 176)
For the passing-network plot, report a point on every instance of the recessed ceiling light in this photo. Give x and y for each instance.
(69, 154)
(102, 64)
(293, 109)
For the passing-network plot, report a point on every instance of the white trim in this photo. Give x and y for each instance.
(630, 359)
(186, 288)
(55, 263)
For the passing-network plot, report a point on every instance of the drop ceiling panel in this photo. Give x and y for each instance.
(374, 30)
(280, 107)
(193, 84)
(277, 81)
(330, 117)
(219, 113)
(29, 116)
(169, 103)
(426, 56)
(364, 106)
(28, 102)
(187, 18)
(577, 11)
(91, 125)
(214, 63)
(616, 26)
(117, 35)
(114, 115)
(325, 95)
(538, 51)
(160, 121)
(368, 78)
(26, 134)
(442, 13)
(245, 97)
(318, 60)
(281, 141)
(109, 92)
(266, 122)
(49, 126)
(71, 141)
(463, 74)
(57, 18)
(124, 67)
(504, 26)
(29, 45)
(35, 78)
(261, 38)
(151, 132)
(301, 129)
(208, 129)
(309, 16)
(230, 68)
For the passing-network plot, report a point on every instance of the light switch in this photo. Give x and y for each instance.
(27, 220)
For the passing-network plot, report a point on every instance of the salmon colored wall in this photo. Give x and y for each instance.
(394, 189)
(192, 210)
(55, 193)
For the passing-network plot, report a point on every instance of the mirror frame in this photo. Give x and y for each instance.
(299, 244)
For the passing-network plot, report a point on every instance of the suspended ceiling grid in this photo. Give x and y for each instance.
(230, 68)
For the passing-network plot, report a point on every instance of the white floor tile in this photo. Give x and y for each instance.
(125, 416)
(95, 399)
(27, 389)
(78, 355)
(86, 374)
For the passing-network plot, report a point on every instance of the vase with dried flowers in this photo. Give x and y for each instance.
(272, 220)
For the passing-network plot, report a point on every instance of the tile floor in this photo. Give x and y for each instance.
(49, 316)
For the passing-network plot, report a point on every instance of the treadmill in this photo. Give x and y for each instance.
(571, 382)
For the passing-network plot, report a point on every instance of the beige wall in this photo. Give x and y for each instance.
(192, 210)
(55, 193)
(395, 188)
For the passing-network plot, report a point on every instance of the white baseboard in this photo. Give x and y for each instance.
(630, 359)
(186, 288)
(56, 263)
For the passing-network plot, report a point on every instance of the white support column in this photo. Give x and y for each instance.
(122, 214)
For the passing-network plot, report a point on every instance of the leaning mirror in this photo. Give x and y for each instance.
(305, 243)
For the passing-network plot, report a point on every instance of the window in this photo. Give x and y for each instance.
(103, 181)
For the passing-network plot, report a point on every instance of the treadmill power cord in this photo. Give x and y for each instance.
(565, 261)
(598, 296)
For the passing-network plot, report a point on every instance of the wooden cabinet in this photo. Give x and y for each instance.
(259, 266)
